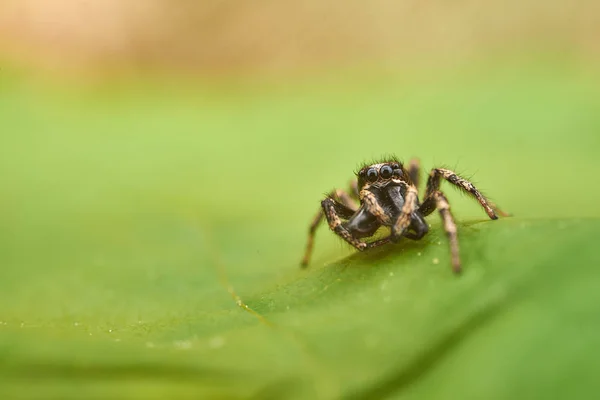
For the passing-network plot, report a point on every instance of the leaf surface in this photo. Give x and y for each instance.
(150, 247)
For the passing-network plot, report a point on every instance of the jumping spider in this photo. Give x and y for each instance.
(388, 197)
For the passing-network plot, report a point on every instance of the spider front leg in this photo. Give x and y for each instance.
(373, 207)
(433, 184)
(411, 202)
(345, 209)
(331, 209)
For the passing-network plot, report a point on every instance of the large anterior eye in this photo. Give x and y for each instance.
(386, 172)
(371, 174)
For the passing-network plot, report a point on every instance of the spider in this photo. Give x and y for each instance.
(388, 197)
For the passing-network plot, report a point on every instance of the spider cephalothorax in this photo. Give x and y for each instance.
(387, 192)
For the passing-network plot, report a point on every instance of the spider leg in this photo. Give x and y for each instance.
(331, 208)
(379, 242)
(411, 202)
(354, 189)
(433, 184)
(414, 171)
(345, 209)
(373, 207)
(441, 203)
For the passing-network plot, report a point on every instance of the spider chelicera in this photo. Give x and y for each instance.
(387, 192)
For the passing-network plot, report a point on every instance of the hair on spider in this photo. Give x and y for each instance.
(468, 176)
(385, 194)
(387, 158)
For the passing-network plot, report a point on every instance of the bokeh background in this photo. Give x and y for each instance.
(223, 36)
(160, 162)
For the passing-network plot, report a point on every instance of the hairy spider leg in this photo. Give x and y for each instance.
(449, 226)
(411, 203)
(421, 228)
(354, 189)
(331, 208)
(414, 171)
(433, 184)
(345, 209)
(373, 207)
(378, 242)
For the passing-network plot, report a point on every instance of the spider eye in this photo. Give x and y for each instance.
(386, 172)
(371, 174)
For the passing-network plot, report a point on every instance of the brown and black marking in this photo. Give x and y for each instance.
(387, 196)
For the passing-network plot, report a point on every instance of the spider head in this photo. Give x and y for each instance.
(381, 174)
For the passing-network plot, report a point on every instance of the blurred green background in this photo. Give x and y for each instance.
(160, 164)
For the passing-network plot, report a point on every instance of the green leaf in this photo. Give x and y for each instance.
(151, 240)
